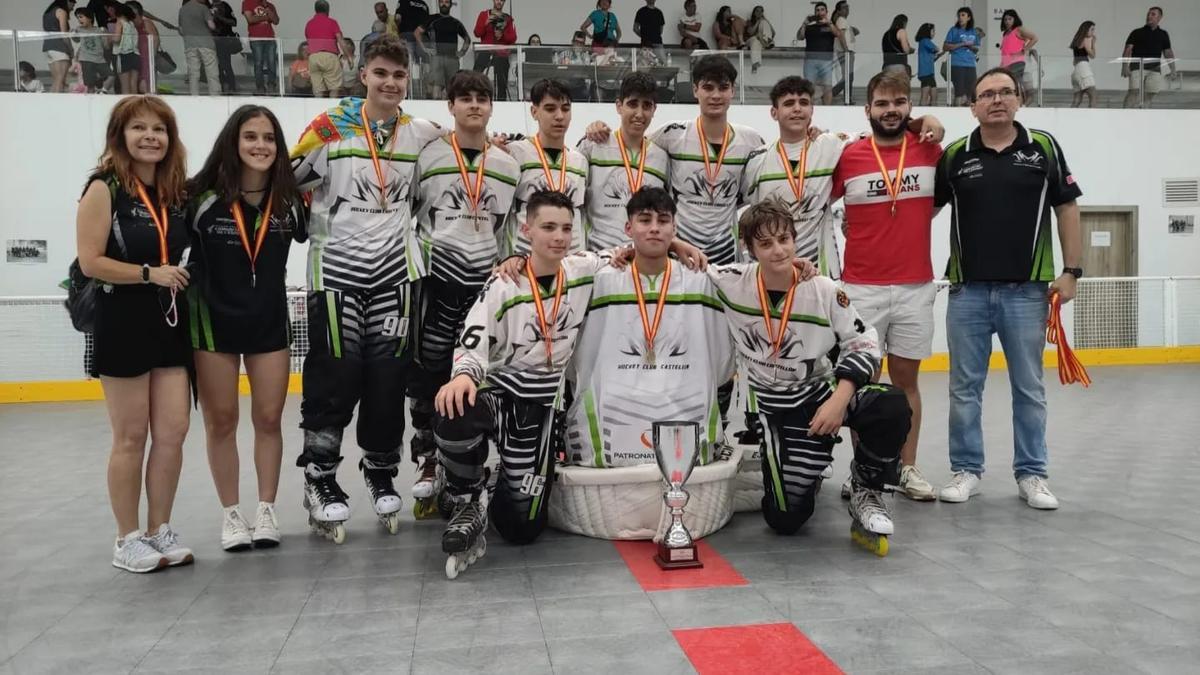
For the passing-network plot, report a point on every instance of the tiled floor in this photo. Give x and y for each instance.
(1108, 584)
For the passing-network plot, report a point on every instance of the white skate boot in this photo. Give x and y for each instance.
(427, 487)
(326, 505)
(383, 495)
(464, 537)
(871, 523)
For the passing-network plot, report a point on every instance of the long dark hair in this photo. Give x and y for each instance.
(970, 18)
(1081, 34)
(925, 32)
(222, 170)
(1015, 17)
(725, 15)
(59, 4)
(901, 21)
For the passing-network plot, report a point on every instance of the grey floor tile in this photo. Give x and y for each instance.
(242, 600)
(612, 614)
(1050, 586)
(476, 585)
(1063, 665)
(464, 626)
(787, 565)
(516, 658)
(364, 594)
(1116, 626)
(977, 555)
(574, 550)
(230, 643)
(346, 664)
(89, 651)
(926, 593)
(328, 636)
(1169, 661)
(820, 600)
(989, 635)
(372, 563)
(564, 581)
(881, 642)
(646, 652)
(705, 607)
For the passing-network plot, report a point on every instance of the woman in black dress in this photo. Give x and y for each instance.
(132, 238)
(244, 213)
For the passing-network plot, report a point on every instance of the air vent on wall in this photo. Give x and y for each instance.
(1181, 192)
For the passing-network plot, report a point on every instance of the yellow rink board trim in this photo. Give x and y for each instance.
(89, 390)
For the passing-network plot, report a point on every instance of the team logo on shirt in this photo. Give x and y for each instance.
(365, 188)
(1031, 160)
(842, 299)
(723, 192)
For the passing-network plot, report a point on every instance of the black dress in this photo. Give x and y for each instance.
(132, 335)
(229, 309)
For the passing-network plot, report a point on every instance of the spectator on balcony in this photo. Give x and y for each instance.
(691, 27)
(148, 43)
(385, 21)
(729, 30)
(446, 52)
(1083, 49)
(411, 15)
(927, 54)
(57, 19)
(29, 82)
(1153, 44)
(818, 35)
(606, 31)
(896, 47)
(760, 35)
(962, 42)
(648, 25)
(261, 18)
(843, 48)
(196, 25)
(125, 49)
(351, 83)
(495, 27)
(299, 79)
(228, 43)
(325, 44)
(537, 54)
(90, 51)
(1016, 41)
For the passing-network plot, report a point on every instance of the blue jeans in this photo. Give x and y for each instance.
(266, 65)
(1016, 312)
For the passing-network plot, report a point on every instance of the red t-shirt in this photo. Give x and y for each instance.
(321, 32)
(262, 29)
(882, 249)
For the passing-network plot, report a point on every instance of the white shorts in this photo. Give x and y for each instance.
(55, 55)
(902, 314)
(1082, 76)
(1153, 80)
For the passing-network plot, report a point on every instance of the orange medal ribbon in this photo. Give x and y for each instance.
(547, 327)
(161, 223)
(562, 174)
(795, 180)
(709, 173)
(650, 330)
(473, 195)
(260, 234)
(893, 186)
(764, 302)
(634, 185)
(375, 154)
(1070, 370)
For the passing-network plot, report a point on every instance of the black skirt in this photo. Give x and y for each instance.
(132, 336)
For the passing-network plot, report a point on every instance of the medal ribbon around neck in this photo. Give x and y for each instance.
(764, 302)
(547, 327)
(562, 173)
(375, 152)
(260, 235)
(634, 185)
(795, 180)
(893, 186)
(473, 195)
(650, 330)
(710, 175)
(161, 222)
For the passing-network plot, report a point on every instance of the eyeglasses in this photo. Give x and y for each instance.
(992, 94)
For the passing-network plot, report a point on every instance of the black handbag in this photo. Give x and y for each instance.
(228, 45)
(163, 63)
(81, 298)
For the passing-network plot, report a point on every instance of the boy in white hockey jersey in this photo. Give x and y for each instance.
(546, 163)
(465, 192)
(624, 164)
(783, 330)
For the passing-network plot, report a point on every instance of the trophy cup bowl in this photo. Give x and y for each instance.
(676, 447)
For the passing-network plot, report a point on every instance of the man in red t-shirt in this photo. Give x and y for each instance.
(495, 27)
(887, 271)
(261, 17)
(326, 47)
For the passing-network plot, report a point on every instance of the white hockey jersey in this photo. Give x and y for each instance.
(707, 214)
(821, 318)
(618, 393)
(609, 190)
(533, 178)
(502, 343)
(765, 178)
(354, 240)
(458, 244)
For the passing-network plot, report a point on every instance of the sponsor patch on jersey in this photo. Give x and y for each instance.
(842, 299)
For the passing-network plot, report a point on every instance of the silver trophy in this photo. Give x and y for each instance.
(677, 447)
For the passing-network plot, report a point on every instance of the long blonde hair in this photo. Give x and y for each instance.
(170, 175)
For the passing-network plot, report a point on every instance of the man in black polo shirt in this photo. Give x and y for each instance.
(1002, 182)
(445, 30)
(648, 25)
(818, 34)
(1147, 42)
(410, 15)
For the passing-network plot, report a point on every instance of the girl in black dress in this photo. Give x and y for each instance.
(132, 238)
(244, 213)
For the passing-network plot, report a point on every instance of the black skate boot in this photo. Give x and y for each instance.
(464, 538)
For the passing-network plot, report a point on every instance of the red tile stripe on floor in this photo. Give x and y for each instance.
(764, 648)
(717, 572)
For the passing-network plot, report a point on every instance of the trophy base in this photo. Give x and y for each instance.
(677, 558)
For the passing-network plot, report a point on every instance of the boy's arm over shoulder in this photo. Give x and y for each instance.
(481, 329)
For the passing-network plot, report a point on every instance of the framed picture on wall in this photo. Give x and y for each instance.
(1181, 225)
(25, 251)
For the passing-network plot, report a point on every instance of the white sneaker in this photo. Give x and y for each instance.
(1036, 493)
(167, 543)
(235, 532)
(961, 487)
(867, 507)
(914, 486)
(827, 472)
(266, 527)
(133, 553)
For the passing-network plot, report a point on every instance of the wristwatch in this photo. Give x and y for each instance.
(145, 274)
(1076, 272)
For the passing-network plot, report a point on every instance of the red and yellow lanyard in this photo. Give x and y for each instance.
(650, 329)
(709, 174)
(161, 223)
(764, 303)
(546, 326)
(562, 173)
(260, 233)
(634, 184)
(893, 185)
(375, 154)
(795, 180)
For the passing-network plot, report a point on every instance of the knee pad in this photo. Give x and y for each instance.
(519, 518)
(881, 416)
(798, 512)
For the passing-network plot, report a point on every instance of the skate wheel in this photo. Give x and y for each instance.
(875, 543)
(426, 508)
(452, 567)
(393, 523)
(338, 535)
